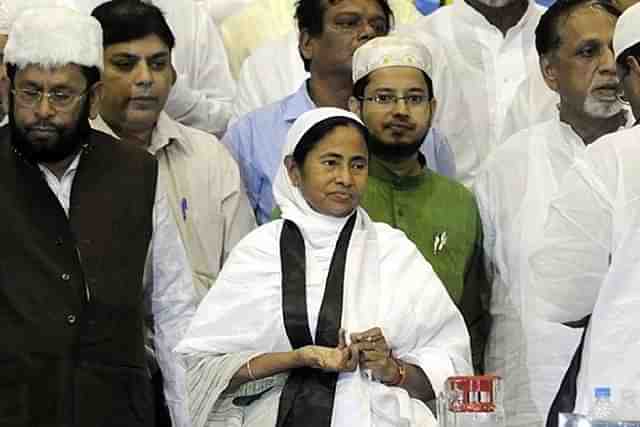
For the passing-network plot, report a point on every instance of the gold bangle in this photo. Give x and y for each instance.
(251, 376)
(401, 374)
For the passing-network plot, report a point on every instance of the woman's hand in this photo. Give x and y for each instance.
(375, 354)
(342, 358)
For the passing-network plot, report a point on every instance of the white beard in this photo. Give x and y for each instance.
(601, 109)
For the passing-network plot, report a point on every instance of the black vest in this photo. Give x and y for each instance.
(71, 296)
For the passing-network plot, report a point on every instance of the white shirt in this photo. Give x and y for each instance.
(169, 294)
(487, 67)
(532, 103)
(220, 9)
(203, 94)
(205, 194)
(513, 190)
(588, 262)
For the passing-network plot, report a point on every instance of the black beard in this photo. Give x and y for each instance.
(69, 140)
(392, 152)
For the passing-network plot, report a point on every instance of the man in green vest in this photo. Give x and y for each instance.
(393, 95)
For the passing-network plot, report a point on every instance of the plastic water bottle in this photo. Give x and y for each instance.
(602, 409)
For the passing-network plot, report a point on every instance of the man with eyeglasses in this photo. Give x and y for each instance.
(89, 248)
(515, 187)
(393, 94)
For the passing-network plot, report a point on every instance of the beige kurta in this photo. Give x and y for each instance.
(205, 194)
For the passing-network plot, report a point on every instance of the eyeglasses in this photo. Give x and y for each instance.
(389, 99)
(60, 100)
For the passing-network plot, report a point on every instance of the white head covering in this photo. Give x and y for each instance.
(627, 32)
(288, 197)
(54, 36)
(390, 51)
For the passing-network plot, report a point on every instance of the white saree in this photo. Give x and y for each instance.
(387, 283)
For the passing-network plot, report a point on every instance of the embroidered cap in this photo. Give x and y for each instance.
(627, 32)
(54, 36)
(390, 51)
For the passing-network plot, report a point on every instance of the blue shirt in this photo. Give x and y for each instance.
(256, 141)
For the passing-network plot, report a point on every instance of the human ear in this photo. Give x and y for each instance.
(95, 98)
(293, 171)
(355, 106)
(549, 72)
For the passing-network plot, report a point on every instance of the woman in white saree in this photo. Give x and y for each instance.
(323, 318)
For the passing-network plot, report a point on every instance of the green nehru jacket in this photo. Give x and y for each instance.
(441, 217)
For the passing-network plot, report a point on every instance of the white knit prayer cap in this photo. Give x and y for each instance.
(627, 32)
(54, 36)
(390, 51)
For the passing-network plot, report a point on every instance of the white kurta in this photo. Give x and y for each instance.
(513, 190)
(589, 262)
(487, 68)
(205, 194)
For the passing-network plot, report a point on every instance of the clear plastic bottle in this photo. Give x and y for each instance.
(602, 409)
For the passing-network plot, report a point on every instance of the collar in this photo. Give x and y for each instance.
(69, 173)
(298, 103)
(165, 133)
(382, 172)
(474, 18)
(570, 134)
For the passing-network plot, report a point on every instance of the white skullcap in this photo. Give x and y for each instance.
(10, 9)
(390, 51)
(627, 32)
(54, 36)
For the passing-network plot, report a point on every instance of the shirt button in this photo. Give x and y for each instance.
(66, 277)
(59, 241)
(71, 319)
(399, 212)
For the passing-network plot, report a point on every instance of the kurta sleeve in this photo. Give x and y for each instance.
(573, 255)
(204, 101)
(171, 298)
(475, 300)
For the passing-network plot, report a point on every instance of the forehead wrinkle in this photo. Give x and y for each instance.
(562, 26)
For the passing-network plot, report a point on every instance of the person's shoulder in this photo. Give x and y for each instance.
(453, 191)
(106, 143)
(259, 244)
(263, 118)
(517, 147)
(622, 144)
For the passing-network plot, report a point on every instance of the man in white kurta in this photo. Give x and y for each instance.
(488, 57)
(203, 181)
(513, 190)
(587, 260)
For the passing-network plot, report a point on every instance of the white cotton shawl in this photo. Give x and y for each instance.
(387, 283)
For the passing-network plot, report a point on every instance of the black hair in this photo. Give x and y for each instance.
(310, 17)
(633, 51)
(126, 20)
(548, 29)
(91, 74)
(361, 85)
(319, 131)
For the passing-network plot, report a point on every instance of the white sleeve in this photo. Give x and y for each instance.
(203, 100)
(171, 297)
(572, 258)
